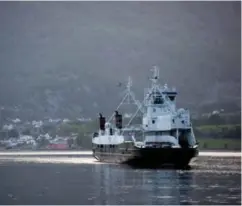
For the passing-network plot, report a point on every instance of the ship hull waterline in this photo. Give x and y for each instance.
(150, 157)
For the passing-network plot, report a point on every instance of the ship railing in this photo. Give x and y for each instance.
(133, 128)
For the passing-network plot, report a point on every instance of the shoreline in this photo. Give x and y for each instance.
(89, 150)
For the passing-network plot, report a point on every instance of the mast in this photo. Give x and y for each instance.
(129, 85)
(155, 76)
(155, 87)
(128, 98)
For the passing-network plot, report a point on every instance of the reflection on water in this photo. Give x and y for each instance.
(201, 185)
(72, 180)
(119, 185)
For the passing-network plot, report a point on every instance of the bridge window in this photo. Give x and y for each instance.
(171, 98)
(153, 121)
(158, 100)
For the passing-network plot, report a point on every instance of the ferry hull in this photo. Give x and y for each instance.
(156, 157)
(150, 157)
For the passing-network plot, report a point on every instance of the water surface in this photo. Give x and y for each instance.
(82, 180)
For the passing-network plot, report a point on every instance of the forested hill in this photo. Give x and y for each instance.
(65, 59)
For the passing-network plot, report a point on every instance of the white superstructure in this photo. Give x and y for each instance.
(163, 125)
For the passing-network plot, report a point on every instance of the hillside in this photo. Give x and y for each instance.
(65, 59)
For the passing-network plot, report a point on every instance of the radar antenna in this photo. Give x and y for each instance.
(155, 76)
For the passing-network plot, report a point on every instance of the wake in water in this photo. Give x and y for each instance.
(53, 160)
(40, 153)
(206, 162)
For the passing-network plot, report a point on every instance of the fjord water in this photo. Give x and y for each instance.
(81, 180)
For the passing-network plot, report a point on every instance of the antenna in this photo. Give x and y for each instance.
(154, 80)
(129, 85)
(130, 95)
(155, 76)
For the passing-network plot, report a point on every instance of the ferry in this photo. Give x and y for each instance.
(164, 136)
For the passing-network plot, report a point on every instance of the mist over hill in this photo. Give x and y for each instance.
(65, 59)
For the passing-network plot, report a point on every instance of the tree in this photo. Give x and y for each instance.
(79, 140)
(13, 133)
(215, 119)
(26, 132)
(70, 142)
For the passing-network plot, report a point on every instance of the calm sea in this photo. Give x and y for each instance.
(81, 180)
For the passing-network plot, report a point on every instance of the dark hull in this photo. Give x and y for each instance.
(150, 157)
(155, 157)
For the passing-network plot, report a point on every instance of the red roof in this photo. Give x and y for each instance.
(58, 146)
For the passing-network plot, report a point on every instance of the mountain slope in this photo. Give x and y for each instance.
(66, 58)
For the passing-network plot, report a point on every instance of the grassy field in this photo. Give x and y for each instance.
(218, 127)
(210, 143)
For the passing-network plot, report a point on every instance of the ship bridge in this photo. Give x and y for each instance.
(156, 98)
(170, 94)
